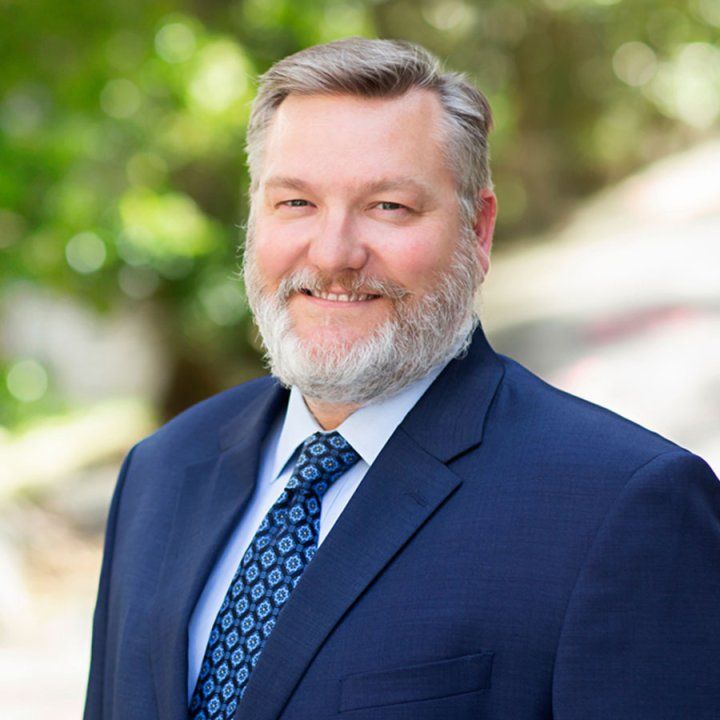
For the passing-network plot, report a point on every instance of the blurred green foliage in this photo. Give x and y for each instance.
(122, 177)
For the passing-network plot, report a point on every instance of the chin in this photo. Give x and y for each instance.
(318, 341)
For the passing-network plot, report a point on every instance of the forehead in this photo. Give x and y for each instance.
(354, 139)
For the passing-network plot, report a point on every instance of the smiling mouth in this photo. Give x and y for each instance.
(339, 297)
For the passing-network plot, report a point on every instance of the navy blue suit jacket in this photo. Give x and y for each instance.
(514, 553)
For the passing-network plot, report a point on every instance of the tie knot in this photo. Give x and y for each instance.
(324, 457)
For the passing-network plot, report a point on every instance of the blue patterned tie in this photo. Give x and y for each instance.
(284, 544)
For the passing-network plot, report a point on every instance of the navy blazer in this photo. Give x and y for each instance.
(514, 553)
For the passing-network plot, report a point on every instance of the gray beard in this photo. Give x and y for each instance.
(424, 331)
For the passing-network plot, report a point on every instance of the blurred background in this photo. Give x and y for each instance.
(122, 198)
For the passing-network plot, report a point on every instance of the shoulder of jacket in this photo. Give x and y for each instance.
(196, 429)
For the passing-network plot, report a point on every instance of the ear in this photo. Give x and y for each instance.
(484, 226)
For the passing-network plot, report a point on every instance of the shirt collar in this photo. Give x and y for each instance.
(368, 429)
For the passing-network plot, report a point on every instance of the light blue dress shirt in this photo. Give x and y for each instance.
(367, 430)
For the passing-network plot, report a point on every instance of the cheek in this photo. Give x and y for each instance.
(276, 251)
(415, 259)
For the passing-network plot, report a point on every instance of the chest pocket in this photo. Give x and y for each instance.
(428, 681)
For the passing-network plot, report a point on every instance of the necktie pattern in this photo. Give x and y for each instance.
(283, 545)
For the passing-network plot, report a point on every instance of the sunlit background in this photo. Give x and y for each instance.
(122, 198)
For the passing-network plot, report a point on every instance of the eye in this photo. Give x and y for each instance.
(387, 205)
(295, 202)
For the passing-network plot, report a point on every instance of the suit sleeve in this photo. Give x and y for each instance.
(641, 635)
(94, 700)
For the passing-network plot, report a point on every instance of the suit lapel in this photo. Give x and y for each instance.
(408, 482)
(399, 493)
(210, 501)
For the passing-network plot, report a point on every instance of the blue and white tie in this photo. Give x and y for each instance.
(283, 545)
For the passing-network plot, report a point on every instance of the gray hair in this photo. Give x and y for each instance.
(382, 68)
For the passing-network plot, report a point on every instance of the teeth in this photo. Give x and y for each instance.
(342, 297)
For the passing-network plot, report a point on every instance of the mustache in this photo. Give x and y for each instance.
(352, 283)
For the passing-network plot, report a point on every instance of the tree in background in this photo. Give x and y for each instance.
(122, 177)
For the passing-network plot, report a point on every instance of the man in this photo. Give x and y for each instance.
(419, 528)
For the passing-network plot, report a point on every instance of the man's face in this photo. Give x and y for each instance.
(355, 217)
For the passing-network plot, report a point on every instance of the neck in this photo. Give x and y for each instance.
(330, 415)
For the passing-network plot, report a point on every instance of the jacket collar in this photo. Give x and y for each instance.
(450, 418)
(210, 501)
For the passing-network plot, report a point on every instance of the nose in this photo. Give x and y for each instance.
(335, 247)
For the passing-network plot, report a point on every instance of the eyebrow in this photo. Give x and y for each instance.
(401, 182)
